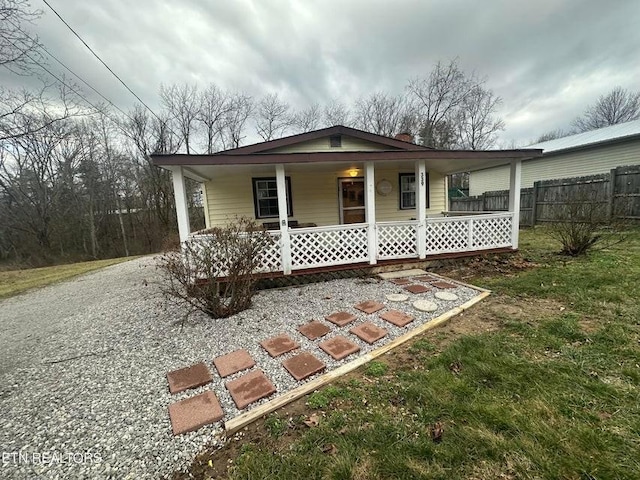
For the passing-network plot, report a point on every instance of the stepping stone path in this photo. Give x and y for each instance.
(303, 365)
(339, 347)
(250, 388)
(340, 318)
(448, 296)
(397, 297)
(314, 330)
(190, 377)
(233, 362)
(425, 306)
(369, 332)
(416, 288)
(276, 346)
(195, 412)
(370, 306)
(399, 319)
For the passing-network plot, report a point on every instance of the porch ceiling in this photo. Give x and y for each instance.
(443, 161)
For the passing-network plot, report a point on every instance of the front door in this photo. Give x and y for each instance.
(352, 200)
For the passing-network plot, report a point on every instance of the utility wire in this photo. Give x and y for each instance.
(70, 71)
(74, 90)
(101, 61)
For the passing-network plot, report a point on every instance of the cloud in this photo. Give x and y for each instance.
(547, 59)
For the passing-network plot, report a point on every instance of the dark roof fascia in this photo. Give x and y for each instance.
(324, 132)
(589, 146)
(325, 157)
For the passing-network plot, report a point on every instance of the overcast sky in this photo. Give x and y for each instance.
(547, 59)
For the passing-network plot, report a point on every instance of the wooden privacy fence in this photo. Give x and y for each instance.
(617, 193)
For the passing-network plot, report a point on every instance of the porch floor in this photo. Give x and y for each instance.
(281, 359)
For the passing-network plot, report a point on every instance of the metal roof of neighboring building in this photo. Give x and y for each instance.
(601, 135)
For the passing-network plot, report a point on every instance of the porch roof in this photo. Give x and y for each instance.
(443, 161)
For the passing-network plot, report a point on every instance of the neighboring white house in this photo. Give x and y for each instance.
(588, 153)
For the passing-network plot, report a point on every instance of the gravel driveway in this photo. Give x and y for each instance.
(83, 392)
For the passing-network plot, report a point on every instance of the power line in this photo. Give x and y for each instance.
(69, 70)
(101, 61)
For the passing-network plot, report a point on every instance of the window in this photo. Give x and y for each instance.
(335, 140)
(407, 190)
(265, 197)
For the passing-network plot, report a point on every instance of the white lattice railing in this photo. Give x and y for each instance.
(270, 260)
(344, 244)
(397, 240)
(326, 246)
(469, 233)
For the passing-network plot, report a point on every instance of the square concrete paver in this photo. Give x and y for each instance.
(369, 332)
(233, 362)
(370, 306)
(401, 281)
(195, 412)
(443, 284)
(340, 318)
(415, 288)
(339, 347)
(303, 365)
(399, 319)
(250, 388)
(314, 329)
(276, 346)
(189, 377)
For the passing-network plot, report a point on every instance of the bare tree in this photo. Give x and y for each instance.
(455, 110)
(183, 106)
(384, 114)
(272, 117)
(214, 106)
(476, 121)
(618, 106)
(336, 113)
(551, 135)
(235, 121)
(18, 50)
(308, 119)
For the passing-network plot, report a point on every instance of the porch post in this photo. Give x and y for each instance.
(370, 210)
(285, 250)
(514, 200)
(421, 207)
(182, 209)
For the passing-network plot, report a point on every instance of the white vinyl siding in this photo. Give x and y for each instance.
(579, 163)
(349, 144)
(314, 196)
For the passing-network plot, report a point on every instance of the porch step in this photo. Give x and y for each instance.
(402, 274)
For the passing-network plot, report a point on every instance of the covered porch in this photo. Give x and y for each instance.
(321, 232)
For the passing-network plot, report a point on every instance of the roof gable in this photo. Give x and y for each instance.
(369, 141)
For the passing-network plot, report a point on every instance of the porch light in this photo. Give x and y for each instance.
(353, 172)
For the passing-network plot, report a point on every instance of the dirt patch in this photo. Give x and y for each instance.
(487, 316)
(502, 264)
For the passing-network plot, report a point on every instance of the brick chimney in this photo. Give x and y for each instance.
(405, 137)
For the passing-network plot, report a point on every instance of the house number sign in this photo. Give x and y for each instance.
(422, 178)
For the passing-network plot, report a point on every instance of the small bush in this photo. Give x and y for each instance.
(215, 273)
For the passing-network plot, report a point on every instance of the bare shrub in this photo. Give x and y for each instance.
(583, 222)
(215, 274)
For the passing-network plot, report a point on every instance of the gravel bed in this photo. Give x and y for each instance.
(104, 414)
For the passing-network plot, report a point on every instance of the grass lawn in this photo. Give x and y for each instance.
(539, 381)
(13, 282)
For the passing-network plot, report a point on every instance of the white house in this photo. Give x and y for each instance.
(587, 153)
(341, 196)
